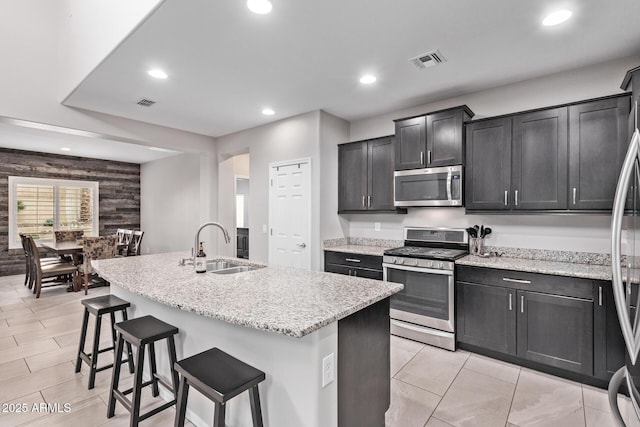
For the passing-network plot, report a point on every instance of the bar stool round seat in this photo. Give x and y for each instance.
(99, 306)
(220, 377)
(142, 333)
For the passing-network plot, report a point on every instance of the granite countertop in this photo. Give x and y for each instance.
(559, 268)
(361, 245)
(288, 301)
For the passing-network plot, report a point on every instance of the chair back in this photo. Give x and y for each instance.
(24, 242)
(127, 236)
(134, 245)
(33, 254)
(120, 235)
(98, 248)
(68, 235)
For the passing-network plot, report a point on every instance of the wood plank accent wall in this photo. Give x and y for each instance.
(119, 189)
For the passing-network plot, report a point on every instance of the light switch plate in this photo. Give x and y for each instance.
(376, 226)
(264, 228)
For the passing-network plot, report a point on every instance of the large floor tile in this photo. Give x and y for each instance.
(399, 358)
(30, 383)
(15, 368)
(433, 369)
(493, 368)
(434, 422)
(410, 405)
(544, 400)
(596, 418)
(11, 330)
(406, 344)
(89, 412)
(51, 358)
(22, 351)
(476, 400)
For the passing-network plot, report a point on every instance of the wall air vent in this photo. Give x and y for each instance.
(428, 59)
(146, 102)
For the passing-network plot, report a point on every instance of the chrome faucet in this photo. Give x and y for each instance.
(225, 233)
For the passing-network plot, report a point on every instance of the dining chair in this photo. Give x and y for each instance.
(124, 241)
(120, 235)
(60, 273)
(96, 248)
(28, 276)
(68, 235)
(134, 245)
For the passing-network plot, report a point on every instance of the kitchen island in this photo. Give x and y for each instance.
(282, 321)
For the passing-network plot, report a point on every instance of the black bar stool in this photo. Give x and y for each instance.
(99, 306)
(220, 377)
(142, 332)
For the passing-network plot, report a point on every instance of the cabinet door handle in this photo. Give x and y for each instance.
(510, 301)
(352, 260)
(369, 201)
(349, 272)
(574, 195)
(508, 279)
(521, 303)
(429, 157)
(516, 198)
(422, 157)
(600, 296)
(506, 197)
(355, 273)
(364, 201)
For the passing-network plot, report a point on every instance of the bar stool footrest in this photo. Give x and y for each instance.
(154, 411)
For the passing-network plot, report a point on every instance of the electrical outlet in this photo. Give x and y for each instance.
(327, 370)
(264, 228)
(376, 226)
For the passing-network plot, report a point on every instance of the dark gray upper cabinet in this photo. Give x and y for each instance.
(598, 140)
(380, 174)
(488, 169)
(561, 159)
(539, 156)
(365, 176)
(411, 143)
(556, 331)
(352, 176)
(433, 140)
(445, 137)
(486, 317)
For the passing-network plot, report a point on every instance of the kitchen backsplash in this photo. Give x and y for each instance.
(363, 241)
(551, 255)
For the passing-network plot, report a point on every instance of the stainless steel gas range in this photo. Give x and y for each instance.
(424, 310)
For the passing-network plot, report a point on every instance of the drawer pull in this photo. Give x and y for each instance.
(600, 296)
(521, 303)
(508, 279)
(352, 260)
(510, 301)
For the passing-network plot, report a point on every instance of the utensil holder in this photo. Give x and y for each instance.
(476, 245)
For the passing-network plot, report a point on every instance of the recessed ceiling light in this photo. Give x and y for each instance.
(268, 112)
(164, 150)
(65, 149)
(261, 7)
(367, 79)
(158, 74)
(557, 17)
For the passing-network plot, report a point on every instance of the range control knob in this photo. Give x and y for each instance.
(393, 260)
(401, 261)
(439, 265)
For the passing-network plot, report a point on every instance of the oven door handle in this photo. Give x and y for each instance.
(416, 269)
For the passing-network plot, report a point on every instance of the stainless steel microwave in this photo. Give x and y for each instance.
(428, 187)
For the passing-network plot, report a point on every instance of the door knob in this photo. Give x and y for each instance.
(302, 245)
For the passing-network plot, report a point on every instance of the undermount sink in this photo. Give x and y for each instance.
(228, 267)
(239, 269)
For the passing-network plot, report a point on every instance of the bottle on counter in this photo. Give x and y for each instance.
(201, 260)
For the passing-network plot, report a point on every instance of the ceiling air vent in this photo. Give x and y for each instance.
(146, 102)
(428, 59)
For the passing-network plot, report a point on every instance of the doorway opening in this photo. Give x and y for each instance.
(242, 216)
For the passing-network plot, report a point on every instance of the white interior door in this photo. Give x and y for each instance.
(290, 214)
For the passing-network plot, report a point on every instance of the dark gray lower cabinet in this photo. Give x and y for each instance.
(349, 264)
(609, 347)
(486, 317)
(556, 331)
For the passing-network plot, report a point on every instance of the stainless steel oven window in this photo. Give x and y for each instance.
(427, 298)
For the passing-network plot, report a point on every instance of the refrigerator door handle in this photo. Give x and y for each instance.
(631, 336)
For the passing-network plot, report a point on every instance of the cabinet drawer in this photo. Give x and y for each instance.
(535, 282)
(353, 260)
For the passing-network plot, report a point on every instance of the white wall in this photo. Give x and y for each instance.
(170, 203)
(587, 233)
(90, 30)
(293, 138)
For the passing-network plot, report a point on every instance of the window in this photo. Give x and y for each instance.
(39, 206)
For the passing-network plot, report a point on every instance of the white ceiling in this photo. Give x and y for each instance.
(50, 139)
(225, 63)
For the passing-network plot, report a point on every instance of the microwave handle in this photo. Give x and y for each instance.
(449, 185)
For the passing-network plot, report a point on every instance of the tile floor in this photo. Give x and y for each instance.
(430, 387)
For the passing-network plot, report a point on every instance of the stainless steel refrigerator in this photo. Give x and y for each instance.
(625, 260)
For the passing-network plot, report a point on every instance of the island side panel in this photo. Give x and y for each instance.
(292, 393)
(364, 367)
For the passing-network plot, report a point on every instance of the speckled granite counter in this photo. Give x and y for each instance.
(361, 245)
(571, 269)
(288, 301)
